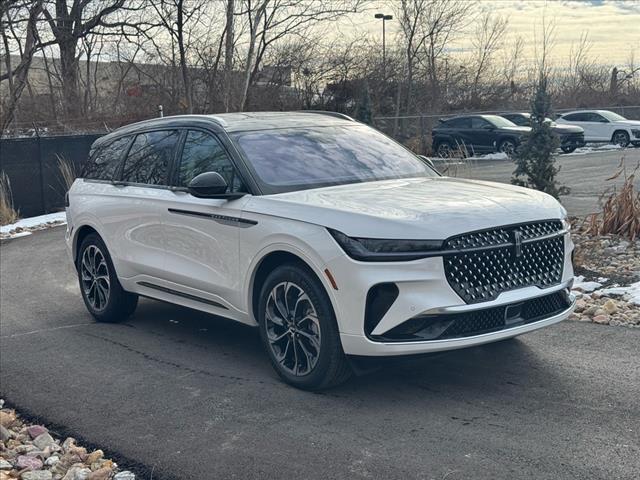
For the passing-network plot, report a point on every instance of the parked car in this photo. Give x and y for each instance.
(571, 136)
(477, 134)
(331, 238)
(604, 126)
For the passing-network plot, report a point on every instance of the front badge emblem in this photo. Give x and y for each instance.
(517, 238)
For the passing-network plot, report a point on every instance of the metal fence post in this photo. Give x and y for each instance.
(43, 207)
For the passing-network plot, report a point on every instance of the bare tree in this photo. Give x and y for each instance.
(17, 78)
(270, 21)
(489, 32)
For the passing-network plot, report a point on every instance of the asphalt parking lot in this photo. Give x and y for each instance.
(586, 175)
(179, 394)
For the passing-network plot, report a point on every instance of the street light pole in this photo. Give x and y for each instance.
(384, 19)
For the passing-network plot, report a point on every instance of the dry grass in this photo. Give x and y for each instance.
(8, 214)
(620, 209)
(67, 172)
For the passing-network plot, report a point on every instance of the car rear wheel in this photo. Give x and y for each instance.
(299, 330)
(101, 291)
(507, 146)
(620, 137)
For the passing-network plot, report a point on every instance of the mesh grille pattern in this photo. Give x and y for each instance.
(493, 319)
(478, 276)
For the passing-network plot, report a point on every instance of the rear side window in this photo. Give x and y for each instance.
(458, 123)
(575, 117)
(149, 157)
(105, 160)
(203, 153)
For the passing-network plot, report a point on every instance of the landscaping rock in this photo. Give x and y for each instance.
(43, 441)
(37, 475)
(126, 475)
(30, 452)
(77, 473)
(36, 430)
(32, 463)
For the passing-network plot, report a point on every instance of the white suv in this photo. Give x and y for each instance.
(330, 237)
(604, 126)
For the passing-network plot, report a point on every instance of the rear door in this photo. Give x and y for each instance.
(135, 219)
(203, 234)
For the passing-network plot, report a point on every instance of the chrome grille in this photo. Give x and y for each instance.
(490, 262)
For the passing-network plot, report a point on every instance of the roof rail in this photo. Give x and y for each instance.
(331, 114)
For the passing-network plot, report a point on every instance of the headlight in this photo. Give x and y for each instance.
(386, 250)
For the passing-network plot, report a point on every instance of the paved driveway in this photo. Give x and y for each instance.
(192, 396)
(585, 174)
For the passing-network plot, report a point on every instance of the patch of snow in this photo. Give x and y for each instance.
(491, 156)
(595, 148)
(630, 293)
(585, 287)
(24, 233)
(33, 222)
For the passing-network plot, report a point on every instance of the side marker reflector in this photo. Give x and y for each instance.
(331, 279)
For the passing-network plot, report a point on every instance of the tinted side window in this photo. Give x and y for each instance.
(149, 157)
(477, 122)
(575, 117)
(203, 153)
(459, 123)
(105, 160)
(596, 117)
(518, 120)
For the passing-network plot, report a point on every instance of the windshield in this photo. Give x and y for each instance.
(612, 117)
(291, 159)
(499, 121)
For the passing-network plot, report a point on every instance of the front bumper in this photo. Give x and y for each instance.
(422, 289)
(361, 345)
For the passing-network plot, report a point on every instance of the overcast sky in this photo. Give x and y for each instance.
(613, 26)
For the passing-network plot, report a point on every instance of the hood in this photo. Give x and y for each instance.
(566, 128)
(418, 208)
(629, 123)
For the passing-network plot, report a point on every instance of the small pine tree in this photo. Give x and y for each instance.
(535, 158)
(363, 110)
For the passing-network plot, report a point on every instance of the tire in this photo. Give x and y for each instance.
(304, 349)
(568, 149)
(101, 291)
(444, 150)
(507, 146)
(620, 137)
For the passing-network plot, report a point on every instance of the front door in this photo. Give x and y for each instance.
(202, 235)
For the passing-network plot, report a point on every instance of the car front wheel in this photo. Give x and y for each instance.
(299, 330)
(620, 138)
(568, 149)
(101, 291)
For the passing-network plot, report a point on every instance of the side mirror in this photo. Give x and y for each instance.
(208, 185)
(428, 161)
